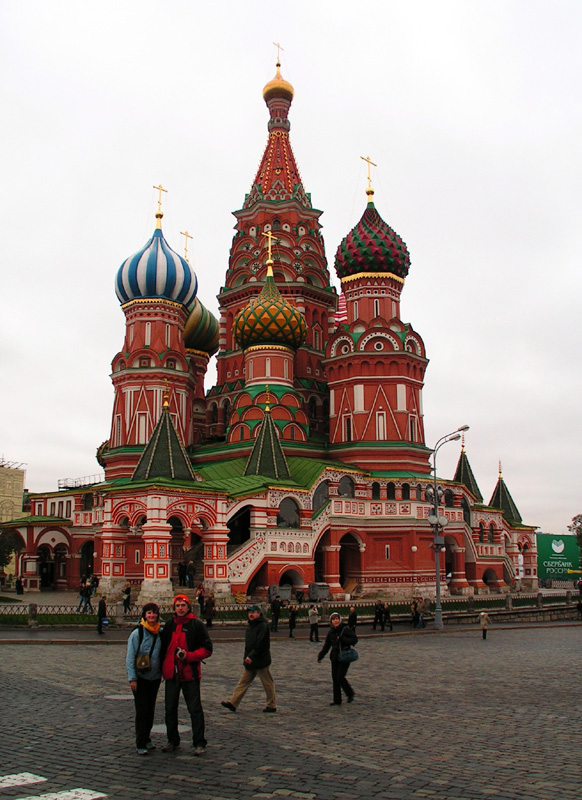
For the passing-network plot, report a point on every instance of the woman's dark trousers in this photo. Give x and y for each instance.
(145, 707)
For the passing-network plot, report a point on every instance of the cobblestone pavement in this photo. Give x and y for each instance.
(445, 716)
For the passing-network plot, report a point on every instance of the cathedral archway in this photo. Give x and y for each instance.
(350, 560)
(86, 553)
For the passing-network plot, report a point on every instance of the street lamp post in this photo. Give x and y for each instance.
(438, 523)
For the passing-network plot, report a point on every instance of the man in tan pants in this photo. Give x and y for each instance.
(257, 660)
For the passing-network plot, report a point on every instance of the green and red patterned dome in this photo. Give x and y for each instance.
(269, 319)
(372, 246)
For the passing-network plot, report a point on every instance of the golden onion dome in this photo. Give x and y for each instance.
(278, 87)
(269, 319)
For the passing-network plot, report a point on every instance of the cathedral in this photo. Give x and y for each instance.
(306, 465)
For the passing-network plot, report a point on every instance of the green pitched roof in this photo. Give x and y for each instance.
(502, 499)
(267, 457)
(164, 455)
(464, 475)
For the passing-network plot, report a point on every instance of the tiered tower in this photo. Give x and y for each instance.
(277, 204)
(375, 363)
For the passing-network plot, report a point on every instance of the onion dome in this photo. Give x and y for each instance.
(278, 87)
(156, 271)
(269, 319)
(201, 330)
(372, 246)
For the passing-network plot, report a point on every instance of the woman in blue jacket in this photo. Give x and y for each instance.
(144, 679)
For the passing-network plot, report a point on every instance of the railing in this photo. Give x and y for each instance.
(79, 483)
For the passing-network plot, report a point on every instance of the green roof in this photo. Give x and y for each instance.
(502, 499)
(32, 520)
(164, 455)
(267, 457)
(464, 475)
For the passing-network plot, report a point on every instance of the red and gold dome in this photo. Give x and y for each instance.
(270, 319)
(372, 246)
(278, 87)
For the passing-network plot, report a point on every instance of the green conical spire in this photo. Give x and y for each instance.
(502, 499)
(164, 455)
(464, 475)
(267, 457)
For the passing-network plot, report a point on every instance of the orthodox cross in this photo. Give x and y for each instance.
(279, 48)
(186, 236)
(270, 238)
(369, 163)
(160, 189)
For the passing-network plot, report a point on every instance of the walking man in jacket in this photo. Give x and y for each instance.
(256, 661)
(185, 642)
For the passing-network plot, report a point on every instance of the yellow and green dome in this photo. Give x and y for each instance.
(201, 330)
(270, 319)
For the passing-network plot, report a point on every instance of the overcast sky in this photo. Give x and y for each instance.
(472, 111)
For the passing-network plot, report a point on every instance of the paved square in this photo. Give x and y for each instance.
(435, 716)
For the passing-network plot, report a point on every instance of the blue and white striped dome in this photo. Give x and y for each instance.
(156, 271)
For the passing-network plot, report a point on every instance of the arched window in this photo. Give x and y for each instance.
(491, 534)
(481, 532)
(312, 408)
(321, 495)
(375, 491)
(406, 491)
(288, 516)
(346, 487)
(276, 225)
(449, 499)
(213, 414)
(391, 491)
(88, 502)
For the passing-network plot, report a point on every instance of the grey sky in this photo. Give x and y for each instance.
(472, 111)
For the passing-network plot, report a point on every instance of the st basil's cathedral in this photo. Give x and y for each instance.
(306, 463)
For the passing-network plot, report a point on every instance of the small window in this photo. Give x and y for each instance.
(53, 510)
(375, 491)
(148, 334)
(171, 363)
(144, 362)
(137, 557)
(168, 335)
(376, 308)
(387, 551)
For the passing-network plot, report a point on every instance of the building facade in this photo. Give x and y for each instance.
(306, 463)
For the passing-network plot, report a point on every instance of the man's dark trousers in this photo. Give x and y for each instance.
(191, 692)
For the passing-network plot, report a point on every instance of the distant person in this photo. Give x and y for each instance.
(94, 584)
(86, 599)
(387, 619)
(275, 613)
(190, 572)
(338, 638)
(185, 643)
(209, 610)
(144, 673)
(127, 598)
(484, 622)
(181, 573)
(201, 597)
(353, 618)
(579, 609)
(414, 613)
(379, 615)
(256, 661)
(101, 613)
(19, 586)
(313, 616)
(292, 620)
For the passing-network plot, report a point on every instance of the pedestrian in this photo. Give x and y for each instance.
(127, 598)
(209, 610)
(378, 615)
(86, 597)
(339, 637)
(387, 619)
(579, 609)
(201, 597)
(185, 643)
(94, 584)
(101, 613)
(81, 598)
(19, 586)
(190, 572)
(292, 620)
(414, 612)
(275, 613)
(420, 609)
(353, 618)
(484, 621)
(256, 661)
(181, 573)
(313, 616)
(144, 672)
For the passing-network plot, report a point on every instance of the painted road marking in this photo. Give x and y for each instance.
(19, 779)
(71, 794)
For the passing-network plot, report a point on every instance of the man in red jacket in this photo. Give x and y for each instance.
(185, 642)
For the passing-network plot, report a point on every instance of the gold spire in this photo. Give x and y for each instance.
(269, 261)
(500, 472)
(462, 443)
(369, 190)
(166, 402)
(186, 236)
(278, 86)
(268, 401)
(159, 213)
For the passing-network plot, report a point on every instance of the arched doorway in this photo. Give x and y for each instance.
(291, 577)
(46, 567)
(350, 561)
(239, 528)
(490, 578)
(86, 565)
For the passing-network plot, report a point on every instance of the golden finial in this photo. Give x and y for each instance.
(369, 190)
(159, 213)
(268, 401)
(279, 48)
(166, 403)
(269, 261)
(186, 236)
(500, 472)
(462, 443)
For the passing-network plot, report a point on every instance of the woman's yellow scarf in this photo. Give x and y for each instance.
(155, 628)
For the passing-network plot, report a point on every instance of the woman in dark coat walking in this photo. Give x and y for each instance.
(292, 620)
(339, 637)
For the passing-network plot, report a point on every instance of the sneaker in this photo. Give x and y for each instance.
(351, 698)
(199, 750)
(227, 704)
(142, 751)
(269, 710)
(150, 746)
(169, 748)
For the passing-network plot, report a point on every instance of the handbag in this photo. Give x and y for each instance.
(143, 662)
(348, 655)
